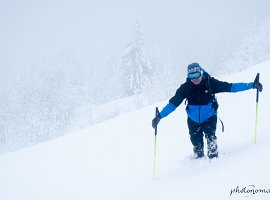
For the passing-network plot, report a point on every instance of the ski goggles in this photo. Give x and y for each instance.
(194, 75)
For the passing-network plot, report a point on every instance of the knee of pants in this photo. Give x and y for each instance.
(196, 138)
(210, 132)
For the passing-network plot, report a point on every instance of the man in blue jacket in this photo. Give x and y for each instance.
(199, 90)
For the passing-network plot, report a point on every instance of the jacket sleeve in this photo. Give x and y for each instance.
(220, 86)
(238, 87)
(175, 101)
(168, 109)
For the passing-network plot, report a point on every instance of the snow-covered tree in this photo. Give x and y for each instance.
(253, 49)
(136, 71)
(41, 102)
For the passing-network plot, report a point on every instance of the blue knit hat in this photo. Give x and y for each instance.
(194, 71)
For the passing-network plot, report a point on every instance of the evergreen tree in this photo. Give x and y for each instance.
(136, 71)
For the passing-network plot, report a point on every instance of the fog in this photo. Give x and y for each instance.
(95, 32)
(67, 64)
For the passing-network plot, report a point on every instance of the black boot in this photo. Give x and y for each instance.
(198, 152)
(212, 149)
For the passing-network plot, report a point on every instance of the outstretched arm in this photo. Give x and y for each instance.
(220, 86)
(175, 101)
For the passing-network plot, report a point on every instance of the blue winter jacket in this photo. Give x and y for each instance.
(201, 97)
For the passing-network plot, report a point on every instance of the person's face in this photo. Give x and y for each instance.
(197, 81)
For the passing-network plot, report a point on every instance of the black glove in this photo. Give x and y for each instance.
(155, 121)
(257, 85)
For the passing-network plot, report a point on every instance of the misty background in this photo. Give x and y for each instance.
(68, 64)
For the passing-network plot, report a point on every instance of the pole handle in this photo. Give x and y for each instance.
(257, 80)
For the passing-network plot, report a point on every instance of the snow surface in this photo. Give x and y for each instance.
(114, 159)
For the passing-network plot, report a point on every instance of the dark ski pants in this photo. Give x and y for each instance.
(197, 131)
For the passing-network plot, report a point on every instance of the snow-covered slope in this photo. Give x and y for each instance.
(114, 160)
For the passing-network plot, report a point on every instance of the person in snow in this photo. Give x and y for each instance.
(199, 90)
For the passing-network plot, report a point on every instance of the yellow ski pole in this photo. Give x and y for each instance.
(257, 105)
(155, 149)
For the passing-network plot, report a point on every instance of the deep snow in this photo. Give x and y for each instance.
(114, 159)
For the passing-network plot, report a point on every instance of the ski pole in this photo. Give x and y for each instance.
(155, 148)
(257, 105)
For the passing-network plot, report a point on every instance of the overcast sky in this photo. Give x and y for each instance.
(96, 31)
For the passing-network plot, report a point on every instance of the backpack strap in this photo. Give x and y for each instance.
(208, 85)
(221, 124)
(188, 91)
